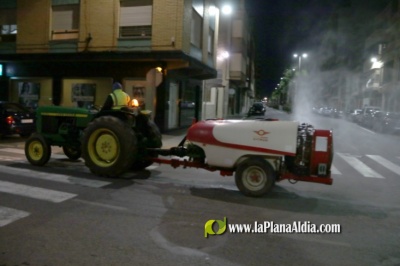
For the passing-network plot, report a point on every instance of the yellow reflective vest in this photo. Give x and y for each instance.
(120, 99)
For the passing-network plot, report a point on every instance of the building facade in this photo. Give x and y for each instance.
(232, 92)
(69, 52)
(381, 77)
(362, 65)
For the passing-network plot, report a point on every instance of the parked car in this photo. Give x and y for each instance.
(315, 109)
(257, 108)
(354, 115)
(16, 119)
(366, 115)
(325, 111)
(336, 113)
(386, 122)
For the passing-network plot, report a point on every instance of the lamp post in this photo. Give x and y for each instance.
(225, 23)
(304, 55)
(298, 93)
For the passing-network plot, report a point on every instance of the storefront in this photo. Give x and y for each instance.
(172, 91)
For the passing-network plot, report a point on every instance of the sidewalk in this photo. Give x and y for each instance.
(173, 138)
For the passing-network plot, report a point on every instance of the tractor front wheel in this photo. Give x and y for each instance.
(109, 146)
(37, 150)
(255, 177)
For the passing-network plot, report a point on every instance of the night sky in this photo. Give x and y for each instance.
(288, 26)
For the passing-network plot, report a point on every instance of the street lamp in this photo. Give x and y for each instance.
(225, 41)
(376, 63)
(223, 55)
(226, 9)
(304, 55)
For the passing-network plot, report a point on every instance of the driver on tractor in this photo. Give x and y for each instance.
(117, 98)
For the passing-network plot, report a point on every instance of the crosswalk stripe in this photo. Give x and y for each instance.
(386, 163)
(8, 215)
(22, 151)
(13, 150)
(35, 192)
(335, 171)
(54, 177)
(9, 158)
(359, 166)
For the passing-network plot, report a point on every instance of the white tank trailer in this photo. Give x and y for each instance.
(259, 152)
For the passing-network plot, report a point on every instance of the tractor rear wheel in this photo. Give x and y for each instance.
(37, 150)
(255, 177)
(72, 152)
(153, 139)
(154, 136)
(109, 146)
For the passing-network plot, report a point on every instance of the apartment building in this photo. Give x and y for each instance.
(382, 65)
(370, 73)
(232, 92)
(69, 52)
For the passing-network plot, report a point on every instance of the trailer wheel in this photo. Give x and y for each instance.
(37, 150)
(73, 153)
(109, 146)
(254, 177)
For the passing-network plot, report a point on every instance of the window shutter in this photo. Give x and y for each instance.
(65, 17)
(136, 16)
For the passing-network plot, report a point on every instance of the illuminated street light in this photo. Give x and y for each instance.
(212, 10)
(304, 55)
(376, 63)
(223, 55)
(226, 10)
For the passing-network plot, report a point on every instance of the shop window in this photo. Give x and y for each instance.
(65, 22)
(136, 19)
(8, 24)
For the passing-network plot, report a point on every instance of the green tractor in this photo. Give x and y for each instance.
(110, 141)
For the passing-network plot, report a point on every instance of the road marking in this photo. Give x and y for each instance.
(8, 215)
(54, 177)
(11, 159)
(359, 166)
(386, 163)
(22, 151)
(112, 207)
(370, 131)
(13, 150)
(335, 171)
(35, 192)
